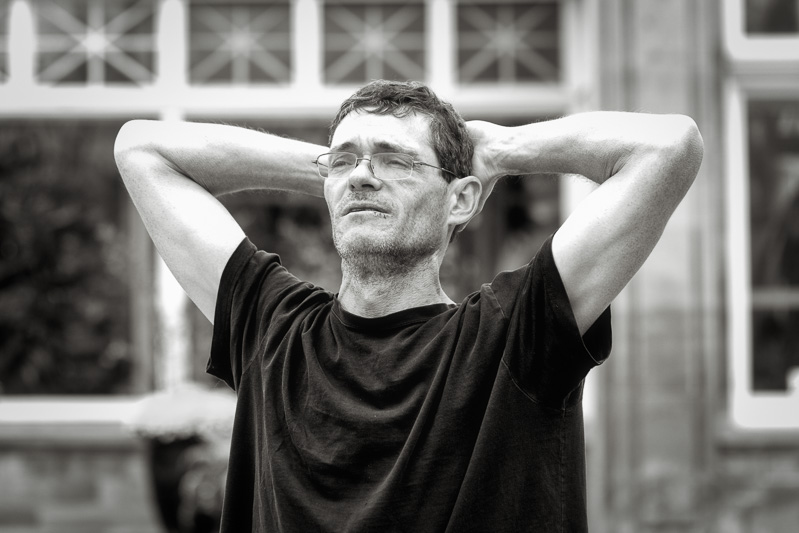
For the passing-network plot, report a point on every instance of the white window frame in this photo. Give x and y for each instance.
(758, 67)
(748, 409)
(743, 47)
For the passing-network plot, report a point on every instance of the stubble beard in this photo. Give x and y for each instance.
(385, 256)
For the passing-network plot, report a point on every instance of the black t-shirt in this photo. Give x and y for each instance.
(438, 418)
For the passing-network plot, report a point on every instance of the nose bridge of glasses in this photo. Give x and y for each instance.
(358, 161)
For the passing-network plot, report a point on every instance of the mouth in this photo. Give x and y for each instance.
(366, 209)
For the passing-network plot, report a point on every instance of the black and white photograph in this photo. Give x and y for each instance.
(383, 266)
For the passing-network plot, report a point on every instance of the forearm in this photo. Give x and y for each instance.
(596, 145)
(220, 158)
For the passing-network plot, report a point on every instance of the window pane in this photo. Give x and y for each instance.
(380, 41)
(95, 41)
(776, 357)
(240, 42)
(508, 43)
(774, 212)
(64, 260)
(772, 16)
(774, 192)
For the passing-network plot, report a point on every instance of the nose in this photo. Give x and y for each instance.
(362, 177)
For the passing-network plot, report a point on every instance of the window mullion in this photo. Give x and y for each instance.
(172, 357)
(21, 44)
(440, 45)
(172, 350)
(171, 36)
(306, 32)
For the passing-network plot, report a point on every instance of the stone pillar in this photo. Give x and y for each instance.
(658, 56)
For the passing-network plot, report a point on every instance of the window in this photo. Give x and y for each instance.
(239, 42)
(363, 42)
(508, 42)
(773, 134)
(762, 147)
(282, 64)
(763, 247)
(769, 17)
(761, 30)
(95, 41)
(67, 320)
(286, 57)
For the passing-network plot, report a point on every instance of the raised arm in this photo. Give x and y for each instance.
(174, 171)
(644, 164)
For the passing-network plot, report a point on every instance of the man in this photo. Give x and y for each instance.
(388, 407)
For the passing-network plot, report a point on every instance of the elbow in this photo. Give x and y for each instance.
(133, 137)
(684, 148)
(691, 142)
(693, 148)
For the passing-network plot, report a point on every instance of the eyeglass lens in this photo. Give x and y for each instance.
(386, 166)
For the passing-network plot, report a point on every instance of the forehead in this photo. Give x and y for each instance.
(366, 132)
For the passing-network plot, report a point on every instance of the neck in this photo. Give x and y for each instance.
(375, 289)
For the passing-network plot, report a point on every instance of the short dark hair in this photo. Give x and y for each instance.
(448, 135)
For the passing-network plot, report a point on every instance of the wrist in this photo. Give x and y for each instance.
(513, 152)
(494, 150)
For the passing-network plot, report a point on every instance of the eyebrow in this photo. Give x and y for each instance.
(386, 146)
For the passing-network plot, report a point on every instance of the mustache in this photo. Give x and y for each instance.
(360, 198)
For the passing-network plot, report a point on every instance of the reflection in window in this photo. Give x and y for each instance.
(508, 43)
(774, 208)
(366, 42)
(95, 41)
(772, 16)
(64, 261)
(240, 42)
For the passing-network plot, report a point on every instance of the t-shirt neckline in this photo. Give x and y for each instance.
(393, 320)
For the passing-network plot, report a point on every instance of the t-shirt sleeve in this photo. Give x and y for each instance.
(545, 353)
(254, 288)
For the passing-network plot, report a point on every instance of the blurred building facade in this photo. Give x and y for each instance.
(693, 425)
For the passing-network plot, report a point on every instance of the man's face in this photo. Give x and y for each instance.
(373, 220)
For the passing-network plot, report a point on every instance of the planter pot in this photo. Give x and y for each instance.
(187, 477)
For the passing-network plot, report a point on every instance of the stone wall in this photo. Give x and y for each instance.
(80, 487)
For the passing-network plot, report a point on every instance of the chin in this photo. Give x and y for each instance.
(365, 241)
(394, 250)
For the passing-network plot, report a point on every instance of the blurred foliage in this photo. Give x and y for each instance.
(64, 268)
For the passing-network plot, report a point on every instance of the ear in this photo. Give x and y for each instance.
(464, 201)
